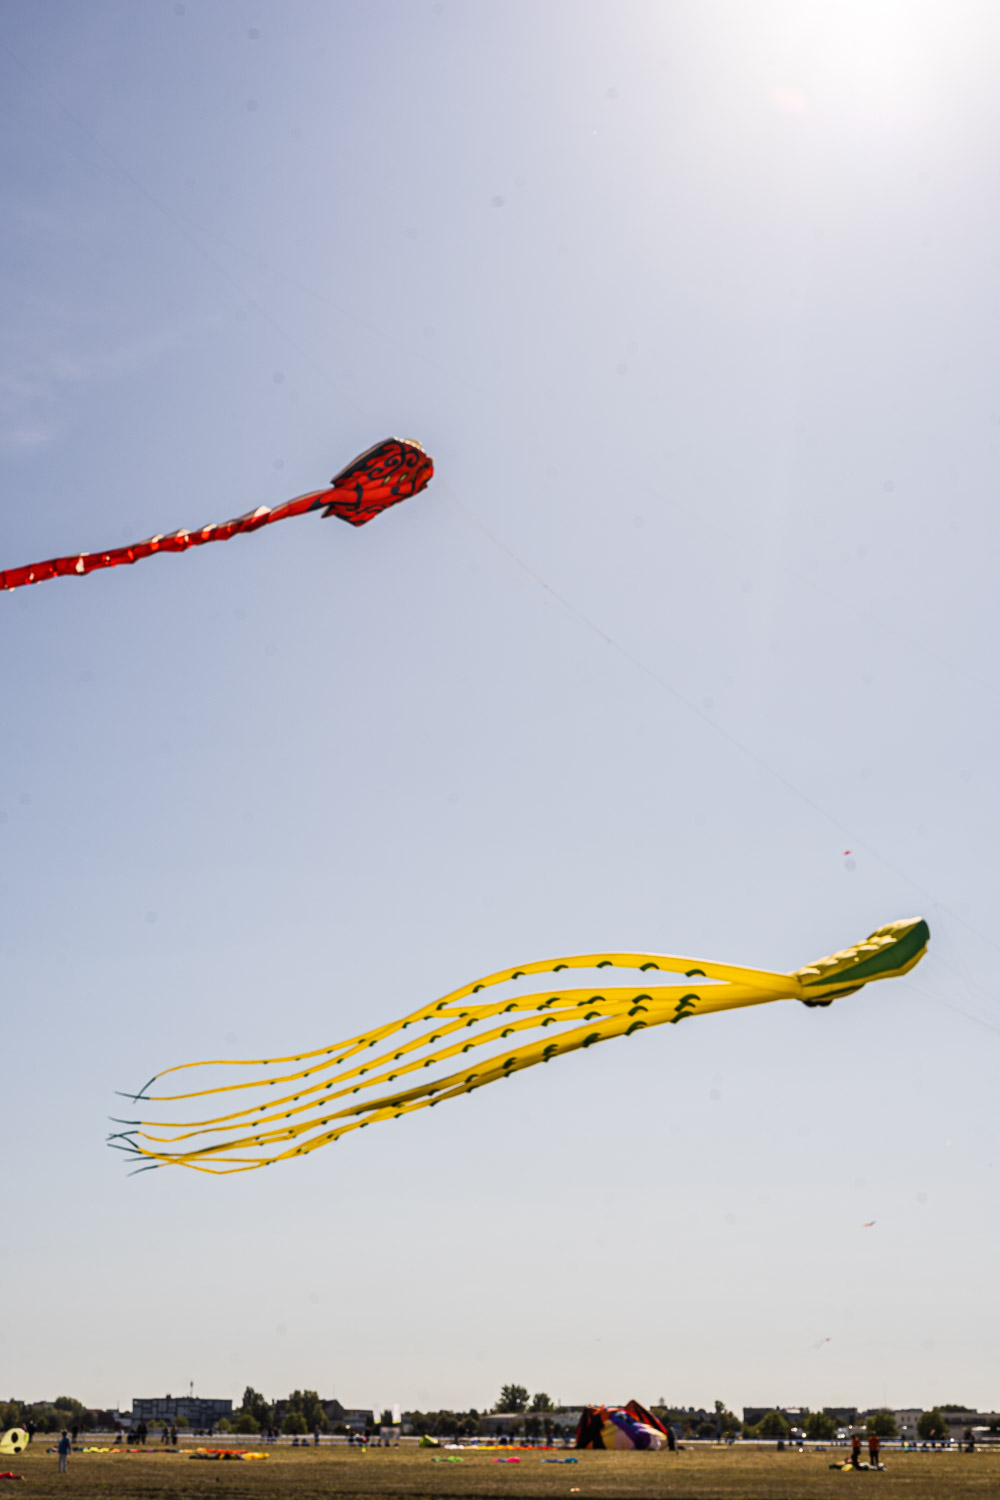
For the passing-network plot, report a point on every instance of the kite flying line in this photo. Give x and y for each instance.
(726, 734)
(301, 1119)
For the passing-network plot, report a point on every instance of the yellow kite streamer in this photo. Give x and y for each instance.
(312, 1111)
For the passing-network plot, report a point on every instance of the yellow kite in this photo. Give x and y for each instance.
(313, 1109)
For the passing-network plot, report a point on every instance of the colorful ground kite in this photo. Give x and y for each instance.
(386, 474)
(312, 1111)
(226, 1453)
(629, 1426)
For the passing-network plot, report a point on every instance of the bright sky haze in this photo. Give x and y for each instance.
(689, 647)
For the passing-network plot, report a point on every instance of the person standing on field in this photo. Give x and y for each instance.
(856, 1451)
(63, 1451)
(874, 1444)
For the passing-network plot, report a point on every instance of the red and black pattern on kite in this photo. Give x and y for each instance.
(389, 472)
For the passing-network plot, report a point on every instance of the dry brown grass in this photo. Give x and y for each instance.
(699, 1473)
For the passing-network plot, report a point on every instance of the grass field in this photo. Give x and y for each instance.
(698, 1473)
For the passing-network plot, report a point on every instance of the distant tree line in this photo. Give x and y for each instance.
(535, 1417)
(49, 1416)
(302, 1412)
(820, 1427)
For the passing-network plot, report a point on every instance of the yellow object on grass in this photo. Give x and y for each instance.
(313, 1110)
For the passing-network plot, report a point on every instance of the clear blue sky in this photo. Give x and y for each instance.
(695, 306)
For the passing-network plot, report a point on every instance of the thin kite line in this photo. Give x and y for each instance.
(720, 729)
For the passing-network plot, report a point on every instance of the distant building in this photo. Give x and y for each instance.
(907, 1421)
(981, 1423)
(564, 1421)
(189, 1411)
(109, 1419)
(844, 1416)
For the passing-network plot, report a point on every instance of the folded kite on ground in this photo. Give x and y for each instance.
(628, 1426)
(313, 1111)
(225, 1453)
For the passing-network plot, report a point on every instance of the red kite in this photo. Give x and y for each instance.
(386, 474)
